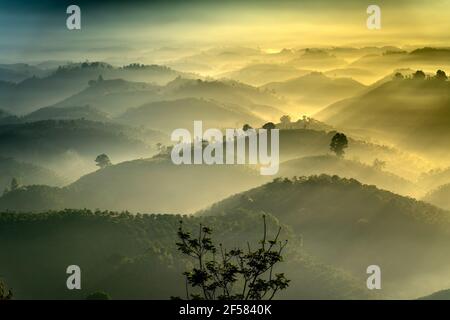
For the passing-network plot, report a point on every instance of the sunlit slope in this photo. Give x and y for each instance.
(332, 165)
(181, 113)
(315, 90)
(148, 185)
(414, 114)
(116, 96)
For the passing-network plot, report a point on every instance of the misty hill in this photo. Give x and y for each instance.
(52, 137)
(316, 89)
(332, 165)
(57, 113)
(20, 71)
(181, 113)
(147, 185)
(116, 96)
(26, 173)
(260, 74)
(352, 226)
(422, 58)
(135, 257)
(435, 178)
(426, 56)
(317, 59)
(412, 113)
(69, 147)
(261, 102)
(362, 75)
(34, 92)
(296, 143)
(439, 197)
(440, 295)
(113, 96)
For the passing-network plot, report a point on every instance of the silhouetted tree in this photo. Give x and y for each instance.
(218, 271)
(102, 161)
(338, 143)
(398, 76)
(269, 126)
(419, 75)
(246, 127)
(306, 121)
(285, 121)
(14, 184)
(440, 75)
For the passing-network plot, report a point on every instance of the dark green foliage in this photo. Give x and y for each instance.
(269, 126)
(347, 224)
(419, 75)
(102, 161)
(338, 143)
(135, 256)
(234, 274)
(440, 75)
(398, 76)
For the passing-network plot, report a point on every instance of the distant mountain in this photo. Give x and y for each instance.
(113, 96)
(69, 147)
(315, 89)
(181, 113)
(68, 113)
(254, 99)
(362, 75)
(260, 74)
(117, 96)
(352, 226)
(35, 92)
(147, 185)
(317, 59)
(20, 71)
(26, 173)
(424, 58)
(414, 114)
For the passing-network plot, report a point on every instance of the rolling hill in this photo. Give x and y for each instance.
(35, 92)
(332, 165)
(146, 185)
(69, 113)
(260, 74)
(135, 257)
(26, 173)
(117, 96)
(351, 226)
(69, 147)
(181, 113)
(315, 90)
(413, 114)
